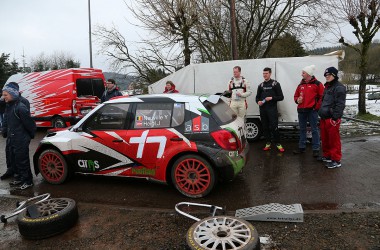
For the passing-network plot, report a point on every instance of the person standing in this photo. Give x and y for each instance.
(239, 88)
(170, 88)
(268, 94)
(111, 91)
(11, 168)
(19, 127)
(331, 112)
(308, 96)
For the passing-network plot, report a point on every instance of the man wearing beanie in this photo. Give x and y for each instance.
(10, 164)
(19, 128)
(308, 96)
(331, 112)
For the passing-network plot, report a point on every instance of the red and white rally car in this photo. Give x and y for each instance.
(188, 141)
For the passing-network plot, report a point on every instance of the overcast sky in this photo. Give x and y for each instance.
(49, 26)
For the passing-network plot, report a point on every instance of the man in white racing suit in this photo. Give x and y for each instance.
(239, 88)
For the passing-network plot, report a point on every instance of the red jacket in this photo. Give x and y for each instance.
(171, 90)
(311, 92)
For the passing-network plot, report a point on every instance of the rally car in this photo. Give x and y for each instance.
(189, 141)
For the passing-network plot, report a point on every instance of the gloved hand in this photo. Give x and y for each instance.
(4, 133)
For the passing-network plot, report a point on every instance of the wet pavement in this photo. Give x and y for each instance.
(268, 177)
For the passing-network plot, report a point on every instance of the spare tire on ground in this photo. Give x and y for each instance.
(48, 218)
(223, 232)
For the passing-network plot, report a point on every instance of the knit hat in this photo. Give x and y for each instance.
(333, 71)
(12, 88)
(309, 70)
(14, 85)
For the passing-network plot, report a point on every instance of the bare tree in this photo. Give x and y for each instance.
(171, 20)
(259, 25)
(58, 60)
(142, 61)
(364, 18)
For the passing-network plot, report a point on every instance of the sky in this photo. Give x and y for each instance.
(35, 26)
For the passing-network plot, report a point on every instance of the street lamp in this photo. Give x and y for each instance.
(89, 31)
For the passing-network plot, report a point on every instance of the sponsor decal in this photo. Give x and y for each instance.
(199, 124)
(89, 164)
(144, 171)
(144, 138)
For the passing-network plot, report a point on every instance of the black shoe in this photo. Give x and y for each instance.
(299, 151)
(315, 153)
(15, 183)
(333, 164)
(324, 159)
(25, 186)
(6, 176)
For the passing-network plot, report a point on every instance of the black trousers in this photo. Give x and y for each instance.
(269, 120)
(19, 158)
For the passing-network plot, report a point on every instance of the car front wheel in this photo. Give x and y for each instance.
(193, 176)
(53, 166)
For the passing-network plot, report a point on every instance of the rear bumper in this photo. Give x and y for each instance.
(229, 163)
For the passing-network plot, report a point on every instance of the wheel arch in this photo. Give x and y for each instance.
(42, 148)
(169, 167)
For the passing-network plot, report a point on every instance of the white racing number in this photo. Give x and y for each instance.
(151, 139)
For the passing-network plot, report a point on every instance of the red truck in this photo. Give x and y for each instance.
(59, 98)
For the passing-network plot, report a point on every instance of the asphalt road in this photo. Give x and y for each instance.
(268, 177)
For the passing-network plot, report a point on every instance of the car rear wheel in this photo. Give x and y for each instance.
(223, 232)
(193, 176)
(53, 166)
(58, 122)
(253, 129)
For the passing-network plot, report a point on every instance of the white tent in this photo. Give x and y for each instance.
(214, 77)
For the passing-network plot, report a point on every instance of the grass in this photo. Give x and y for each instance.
(368, 117)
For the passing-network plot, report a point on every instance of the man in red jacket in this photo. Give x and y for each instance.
(308, 96)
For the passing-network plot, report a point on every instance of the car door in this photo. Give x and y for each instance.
(154, 136)
(102, 141)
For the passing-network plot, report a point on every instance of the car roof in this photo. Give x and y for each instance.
(156, 97)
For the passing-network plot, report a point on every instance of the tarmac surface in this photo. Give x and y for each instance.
(269, 177)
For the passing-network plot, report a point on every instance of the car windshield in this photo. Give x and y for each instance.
(221, 112)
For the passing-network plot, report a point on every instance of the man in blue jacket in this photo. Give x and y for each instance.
(19, 127)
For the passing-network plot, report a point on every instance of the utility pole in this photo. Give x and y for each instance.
(233, 30)
(89, 32)
(23, 61)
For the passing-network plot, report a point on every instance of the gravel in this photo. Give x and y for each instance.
(113, 227)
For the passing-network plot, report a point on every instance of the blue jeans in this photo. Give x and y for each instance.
(303, 118)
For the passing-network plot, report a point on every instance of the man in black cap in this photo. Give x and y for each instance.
(331, 112)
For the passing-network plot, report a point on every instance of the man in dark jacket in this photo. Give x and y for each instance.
(11, 169)
(331, 112)
(308, 96)
(269, 93)
(111, 90)
(20, 128)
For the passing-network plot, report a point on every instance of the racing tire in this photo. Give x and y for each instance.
(57, 215)
(58, 122)
(53, 166)
(193, 176)
(223, 232)
(253, 129)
